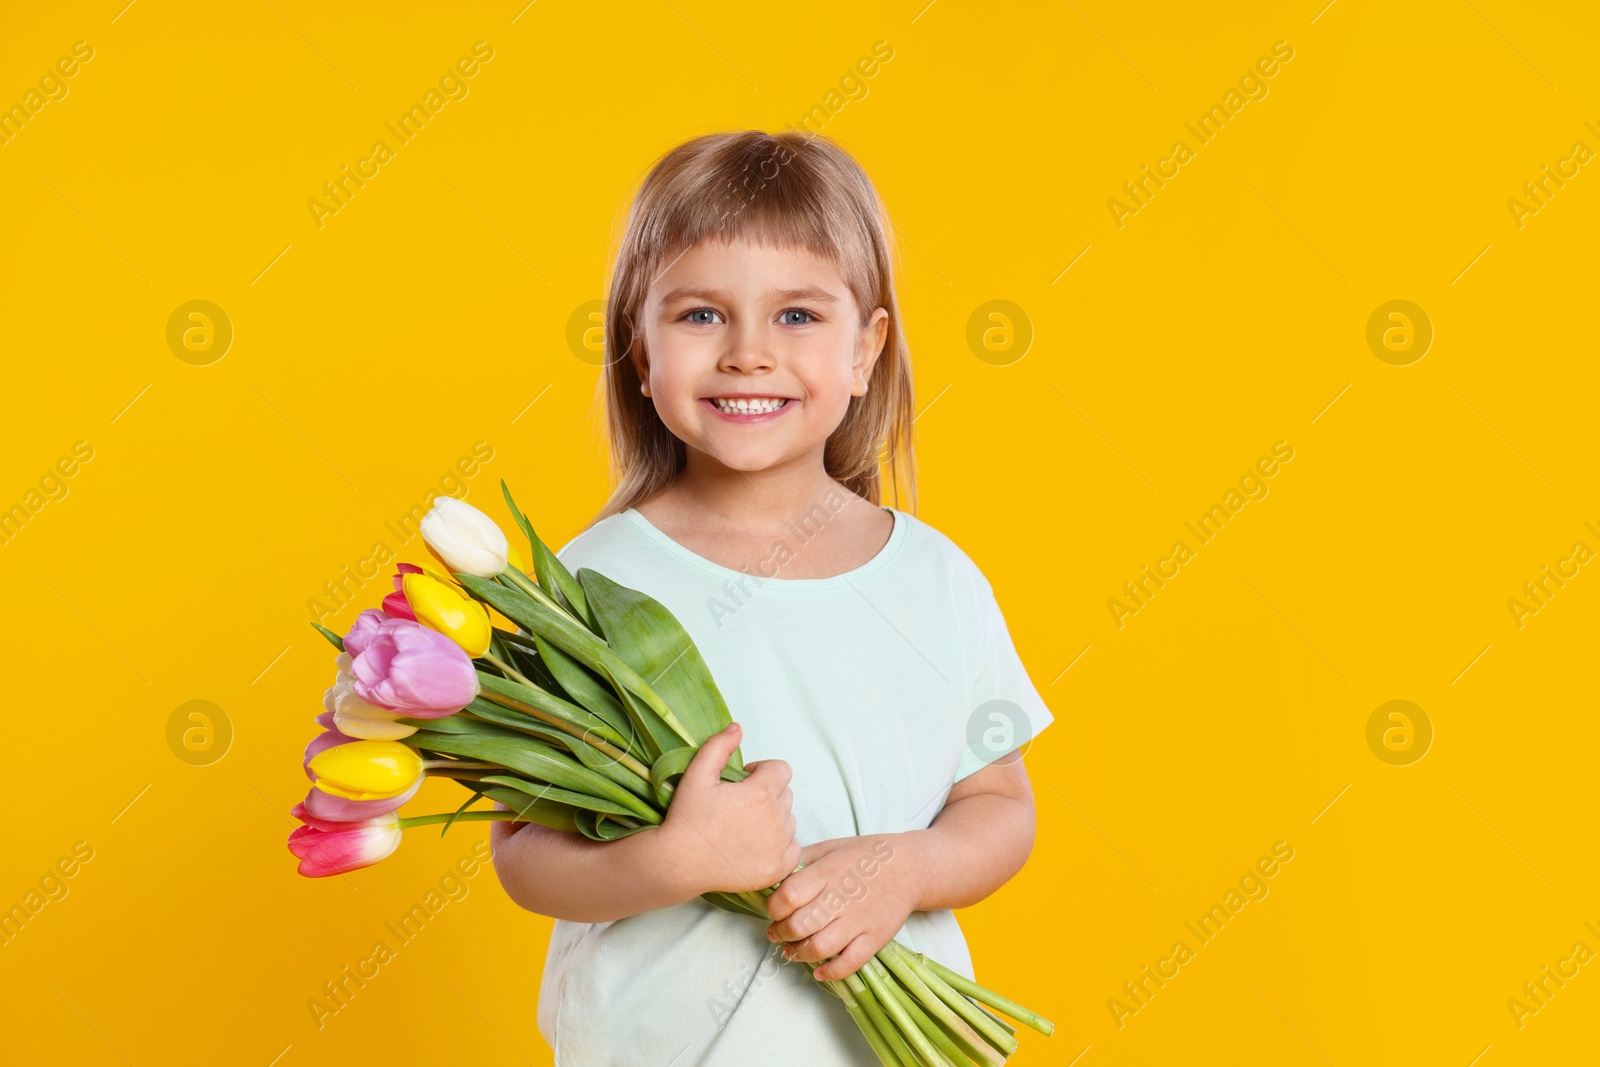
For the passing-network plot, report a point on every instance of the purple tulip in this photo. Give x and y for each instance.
(361, 631)
(408, 668)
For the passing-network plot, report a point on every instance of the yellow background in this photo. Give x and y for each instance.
(1227, 314)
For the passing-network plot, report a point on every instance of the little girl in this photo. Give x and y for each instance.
(756, 368)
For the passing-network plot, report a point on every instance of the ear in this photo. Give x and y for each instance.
(868, 349)
(641, 365)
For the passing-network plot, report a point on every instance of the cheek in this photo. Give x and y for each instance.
(829, 388)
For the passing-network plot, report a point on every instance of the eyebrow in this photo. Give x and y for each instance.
(812, 293)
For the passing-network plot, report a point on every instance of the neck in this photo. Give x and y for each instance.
(757, 500)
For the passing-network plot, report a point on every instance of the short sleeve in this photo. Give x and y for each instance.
(1006, 711)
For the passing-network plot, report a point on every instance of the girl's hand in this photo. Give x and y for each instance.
(730, 836)
(849, 900)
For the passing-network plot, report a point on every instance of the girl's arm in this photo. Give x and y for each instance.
(732, 836)
(567, 876)
(978, 841)
(856, 892)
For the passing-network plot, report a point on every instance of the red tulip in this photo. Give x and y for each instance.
(326, 847)
(395, 604)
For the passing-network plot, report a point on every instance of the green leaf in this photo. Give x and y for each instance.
(553, 705)
(560, 796)
(523, 654)
(603, 827)
(534, 759)
(730, 902)
(587, 754)
(551, 573)
(669, 766)
(333, 638)
(651, 639)
(477, 794)
(544, 812)
(656, 725)
(581, 684)
(451, 724)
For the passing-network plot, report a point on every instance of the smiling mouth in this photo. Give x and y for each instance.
(748, 405)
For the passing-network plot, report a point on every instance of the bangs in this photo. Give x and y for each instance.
(766, 191)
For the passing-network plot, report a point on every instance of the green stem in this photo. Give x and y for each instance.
(886, 1029)
(585, 734)
(521, 581)
(466, 816)
(511, 672)
(895, 1003)
(933, 1028)
(988, 996)
(464, 775)
(868, 1029)
(975, 1016)
(960, 1032)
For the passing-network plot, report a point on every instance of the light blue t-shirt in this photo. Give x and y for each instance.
(881, 687)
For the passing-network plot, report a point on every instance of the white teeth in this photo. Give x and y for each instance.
(748, 405)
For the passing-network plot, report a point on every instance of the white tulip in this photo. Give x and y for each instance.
(355, 717)
(466, 539)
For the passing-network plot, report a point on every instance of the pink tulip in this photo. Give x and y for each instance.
(408, 668)
(337, 809)
(328, 847)
(395, 605)
(361, 631)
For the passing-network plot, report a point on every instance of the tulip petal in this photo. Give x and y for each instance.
(337, 809)
(358, 718)
(325, 740)
(366, 770)
(362, 631)
(467, 540)
(396, 606)
(347, 847)
(418, 672)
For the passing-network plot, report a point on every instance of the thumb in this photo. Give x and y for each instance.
(706, 767)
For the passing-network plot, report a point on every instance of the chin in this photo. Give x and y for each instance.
(744, 458)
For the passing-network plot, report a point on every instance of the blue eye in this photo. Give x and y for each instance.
(798, 311)
(699, 311)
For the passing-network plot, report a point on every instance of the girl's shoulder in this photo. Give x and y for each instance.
(595, 538)
(930, 548)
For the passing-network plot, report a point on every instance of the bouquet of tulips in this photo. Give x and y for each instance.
(581, 720)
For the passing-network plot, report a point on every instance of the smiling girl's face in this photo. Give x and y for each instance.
(751, 354)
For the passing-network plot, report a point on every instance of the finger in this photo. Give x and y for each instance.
(803, 922)
(772, 774)
(797, 890)
(848, 962)
(706, 766)
(820, 945)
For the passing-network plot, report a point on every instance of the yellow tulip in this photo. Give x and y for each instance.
(366, 770)
(446, 608)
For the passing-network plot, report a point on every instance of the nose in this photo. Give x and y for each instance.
(748, 349)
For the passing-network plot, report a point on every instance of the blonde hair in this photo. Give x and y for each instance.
(783, 189)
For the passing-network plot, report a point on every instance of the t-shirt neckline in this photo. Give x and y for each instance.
(897, 536)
